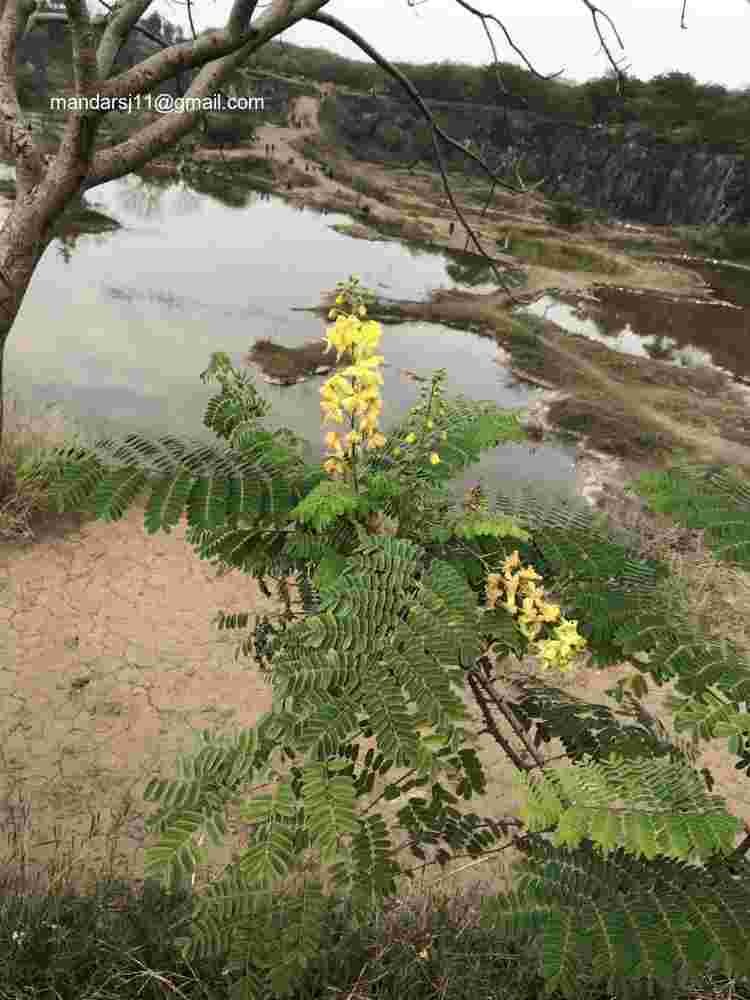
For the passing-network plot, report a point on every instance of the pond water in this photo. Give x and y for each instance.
(117, 329)
(687, 332)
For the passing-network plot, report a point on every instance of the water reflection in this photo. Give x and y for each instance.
(471, 270)
(683, 331)
(120, 330)
(145, 200)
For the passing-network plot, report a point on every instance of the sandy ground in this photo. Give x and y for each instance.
(109, 663)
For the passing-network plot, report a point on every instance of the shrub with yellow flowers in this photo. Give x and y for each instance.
(534, 613)
(352, 396)
(424, 427)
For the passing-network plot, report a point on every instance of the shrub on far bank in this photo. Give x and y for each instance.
(732, 242)
(565, 212)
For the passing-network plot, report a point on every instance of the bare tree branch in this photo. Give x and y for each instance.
(491, 725)
(596, 13)
(190, 18)
(73, 158)
(241, 14)
(502, 706)
(36, 14)
(115, 34)
(165, 65)
(138, 149)
(153, 38)
(491, 17)
(85, 70)
(15, 135)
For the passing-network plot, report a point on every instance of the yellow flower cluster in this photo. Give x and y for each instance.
(534, 612)
(353, 392)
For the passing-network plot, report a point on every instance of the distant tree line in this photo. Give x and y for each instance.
(674, 105)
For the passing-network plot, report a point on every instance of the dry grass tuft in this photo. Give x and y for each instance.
(23, 502)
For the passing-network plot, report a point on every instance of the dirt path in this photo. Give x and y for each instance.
(280, 139)
(433, 216)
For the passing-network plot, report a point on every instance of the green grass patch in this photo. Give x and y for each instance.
(521, 338)
(576, 423)
(728, 242)
(560, 256)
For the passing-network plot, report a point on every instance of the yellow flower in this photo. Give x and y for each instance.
(560, 651)
(429, 425)
(549, 650)
(339, 300)
(528, 607)
(331, 411)
(376, 441)
(530, 589)
(529, 574)
(410, 438)
(492, 588)
(434, 458)
(335, 385)
(511, 586)
(511, 562)
(333, 440)
(529, 629)
(396, 452)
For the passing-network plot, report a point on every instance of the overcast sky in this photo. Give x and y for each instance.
(555, 34)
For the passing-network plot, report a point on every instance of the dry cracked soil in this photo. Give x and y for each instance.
(109, 665)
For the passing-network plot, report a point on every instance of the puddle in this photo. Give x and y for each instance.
(685, 332)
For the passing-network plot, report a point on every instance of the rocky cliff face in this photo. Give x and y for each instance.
(630, 175)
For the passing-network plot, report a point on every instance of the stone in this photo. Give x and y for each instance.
(636, 176)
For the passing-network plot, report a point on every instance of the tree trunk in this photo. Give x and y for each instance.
(3, 338)
(23, 240)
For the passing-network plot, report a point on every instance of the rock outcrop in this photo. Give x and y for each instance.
(626, 171)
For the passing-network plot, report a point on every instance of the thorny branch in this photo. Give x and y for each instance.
(491, 725)
(493, 695)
